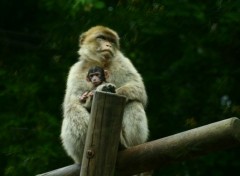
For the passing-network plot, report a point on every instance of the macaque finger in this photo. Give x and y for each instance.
(91, 93)
(84, 96)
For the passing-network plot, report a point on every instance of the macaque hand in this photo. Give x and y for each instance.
(107, 87)
(90, 94)
(84, 97)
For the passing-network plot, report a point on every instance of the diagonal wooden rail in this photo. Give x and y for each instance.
(182, 146)
(159, 153)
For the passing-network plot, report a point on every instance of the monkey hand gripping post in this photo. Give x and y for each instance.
(102, 141)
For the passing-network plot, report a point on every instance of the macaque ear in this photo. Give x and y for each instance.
(106, 74)
(82, 38)
(88, 80)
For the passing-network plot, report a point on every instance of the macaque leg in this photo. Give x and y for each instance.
(73, 142)
(134, 130)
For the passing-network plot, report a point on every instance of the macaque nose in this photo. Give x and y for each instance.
(94, 79)
(108, 45)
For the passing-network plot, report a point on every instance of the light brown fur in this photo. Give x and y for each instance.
(128, 82)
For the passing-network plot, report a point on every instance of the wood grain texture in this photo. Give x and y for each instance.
(101, 147)
(182, 146)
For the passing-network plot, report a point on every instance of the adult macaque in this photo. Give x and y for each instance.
(96, 76)
(100, 46)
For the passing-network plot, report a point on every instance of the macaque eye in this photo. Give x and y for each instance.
(97, 74)
(111, 40)
(105, 38)
(101, 37)
(94, 74)
(91, 75)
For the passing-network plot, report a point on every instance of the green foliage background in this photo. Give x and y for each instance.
(187, 52)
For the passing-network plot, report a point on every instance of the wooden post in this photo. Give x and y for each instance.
(182, 146)
(102, 141)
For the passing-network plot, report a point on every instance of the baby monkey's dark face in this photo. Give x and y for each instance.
(96, 76)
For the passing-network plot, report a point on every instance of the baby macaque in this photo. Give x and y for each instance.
(97, 76)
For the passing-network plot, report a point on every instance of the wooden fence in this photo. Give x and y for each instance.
(102, 158)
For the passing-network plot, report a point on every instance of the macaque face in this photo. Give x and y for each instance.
(101, 41)
(97, 75)
(105, 45)
(95, 78)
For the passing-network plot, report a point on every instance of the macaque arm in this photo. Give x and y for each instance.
(88, 103)
(87, 100)
(75, 88)
(133, 91)
(84, 97)
(132, 87)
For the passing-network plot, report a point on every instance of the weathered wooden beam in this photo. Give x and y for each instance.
(101, 147)
(72, 170)
(182, 146)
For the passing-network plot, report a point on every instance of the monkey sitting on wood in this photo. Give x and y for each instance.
(99, 46)
(97, 76)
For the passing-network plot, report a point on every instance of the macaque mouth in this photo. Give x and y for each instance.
(107, 53)
(106, 50)
(95, 82)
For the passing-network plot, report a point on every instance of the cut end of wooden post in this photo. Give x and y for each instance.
(236, 128)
